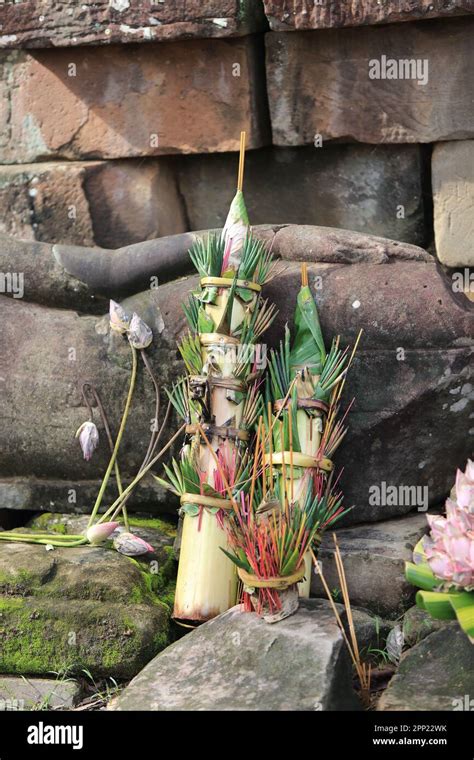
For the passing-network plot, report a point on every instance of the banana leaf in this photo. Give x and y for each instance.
(440, 605)
(308, 344)
(235, 229)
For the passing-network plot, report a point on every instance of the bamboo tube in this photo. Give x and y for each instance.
(207, 580)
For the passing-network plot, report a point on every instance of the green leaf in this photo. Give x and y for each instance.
(308, 345)
(421, 576)
(236, 560)
(205, 322)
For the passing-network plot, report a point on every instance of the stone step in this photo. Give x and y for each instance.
(38, 693)
(374, 557)
(436, 674)
(86, 607)
(239, 662)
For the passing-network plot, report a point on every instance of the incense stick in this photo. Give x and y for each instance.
(240, 176)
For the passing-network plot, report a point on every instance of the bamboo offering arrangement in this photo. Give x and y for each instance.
(293, 495)
(219, 402)
(255, 476)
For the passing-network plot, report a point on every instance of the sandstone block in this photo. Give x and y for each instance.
(289, 15)
(320, 83)
(376, 190)
(453, 201)
(122, 101)
(36, 24)
(374, 559)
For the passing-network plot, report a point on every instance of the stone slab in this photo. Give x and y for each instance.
(375, 190)
(238, 662)
(292, 15)
(38, 693)
(191, 97)
(436, 674)
(37, 24)
(374, 559)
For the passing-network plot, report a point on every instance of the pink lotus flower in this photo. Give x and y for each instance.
(465, 487)
(131, 545)
(100, 532)
(119, 320)
(449, 548)
(88, 438)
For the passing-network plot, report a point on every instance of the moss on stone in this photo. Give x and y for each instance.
(167, 527)
(50, 522)
(20, 583)
(40, 636)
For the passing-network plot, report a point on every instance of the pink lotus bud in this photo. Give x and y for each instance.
(464, 489)
(132, 546)
(100, 532)
(139, 334)
(119, 320)
(88, 438)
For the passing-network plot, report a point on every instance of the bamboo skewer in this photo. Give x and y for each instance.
(240, 175)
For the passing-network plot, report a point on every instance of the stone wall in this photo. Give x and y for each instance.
(120, 120)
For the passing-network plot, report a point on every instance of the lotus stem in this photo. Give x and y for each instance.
(116, 506)
(118, 439)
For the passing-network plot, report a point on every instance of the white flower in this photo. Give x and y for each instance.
(119, 320)
(88, 438)
(139, 334)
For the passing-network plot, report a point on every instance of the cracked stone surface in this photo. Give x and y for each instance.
(186, 94)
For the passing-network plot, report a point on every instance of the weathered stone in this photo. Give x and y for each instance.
(371, 630)
(38, 693)
(356, 187)
(122, 101)
(132, 201)
(54, 390)
(436, 674)
(39, 635)
(36, 24)
(333, 246)
(410, 378)
(319, 83)
(64, 494)
(46, 202)
(78, 277)
(374, 559)
(418, 624)
(83, 607)
(288, 15)
(93, 202)
(453, 201)
(238, 662)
